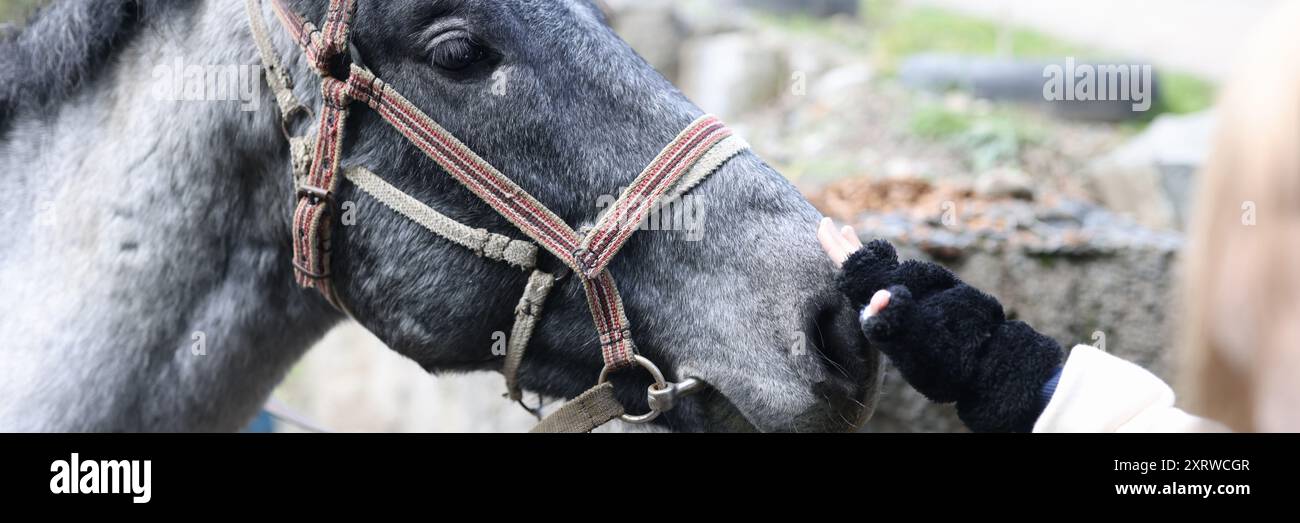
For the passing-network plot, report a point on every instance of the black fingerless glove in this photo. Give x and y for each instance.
(951, 341)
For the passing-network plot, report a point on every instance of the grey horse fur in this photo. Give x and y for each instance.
(138, 227)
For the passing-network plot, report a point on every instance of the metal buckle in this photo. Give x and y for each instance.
(316, 194)
(662, 395)
(287, 120)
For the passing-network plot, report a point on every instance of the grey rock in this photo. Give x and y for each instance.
(1004, 182)
(730, 74)
(1065, 212)
(1151, 178)
(1133, 190)
(846, 81)
(990, 78)
(711, 17)
(1020, 81)
(1178, 182)
(1171, 140)
(655, 31)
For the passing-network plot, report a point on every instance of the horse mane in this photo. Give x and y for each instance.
(61, 48)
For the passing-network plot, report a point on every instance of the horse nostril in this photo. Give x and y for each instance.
(833, 333)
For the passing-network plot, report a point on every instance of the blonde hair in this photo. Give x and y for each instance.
(1241, 350)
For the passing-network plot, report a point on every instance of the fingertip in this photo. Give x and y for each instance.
(866, 314)
(878, 303)
(851, 237)
(880, 300)
(826, 230)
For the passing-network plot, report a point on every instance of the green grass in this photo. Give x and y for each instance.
(848, 36)
(902, 32)
(936, 122)
(991, 139)
(15, 11)
(1183, 93)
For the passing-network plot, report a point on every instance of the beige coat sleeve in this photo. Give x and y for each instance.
(1102, 393)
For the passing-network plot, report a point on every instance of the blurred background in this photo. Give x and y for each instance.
(922, 122)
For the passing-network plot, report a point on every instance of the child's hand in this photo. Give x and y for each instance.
(948, 339)
(842, 243)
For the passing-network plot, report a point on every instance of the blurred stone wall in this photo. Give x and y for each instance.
(1115, 289)
(1075, 271)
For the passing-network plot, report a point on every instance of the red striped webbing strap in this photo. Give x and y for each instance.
(314, 214)
(320, 45)
(588, 256)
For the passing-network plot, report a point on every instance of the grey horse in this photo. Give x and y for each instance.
(146, 267)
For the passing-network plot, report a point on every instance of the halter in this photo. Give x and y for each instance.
(704, 146)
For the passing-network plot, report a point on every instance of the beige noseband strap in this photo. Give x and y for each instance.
(494, 247)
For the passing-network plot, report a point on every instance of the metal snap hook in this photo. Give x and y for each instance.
(664, 400)
(662, 396)
(287, 119)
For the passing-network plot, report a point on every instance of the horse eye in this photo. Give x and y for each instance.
(456, 54)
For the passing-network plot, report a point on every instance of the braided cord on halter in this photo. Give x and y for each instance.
(276, 75)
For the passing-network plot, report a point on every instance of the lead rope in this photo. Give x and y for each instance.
(697, 152)
(584, 413)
